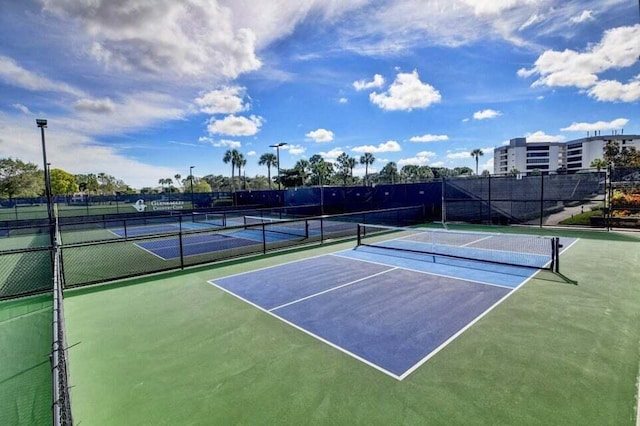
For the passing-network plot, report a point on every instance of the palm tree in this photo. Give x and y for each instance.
(230, 157)
(351, 162)
(599, 164)
(477, 153)
(177, 177)
(303, 167)
(367, 159)
(270, 160)
(241, 162)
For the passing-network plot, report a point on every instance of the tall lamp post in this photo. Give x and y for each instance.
(42, 124)
(277, 147)
(191, 182)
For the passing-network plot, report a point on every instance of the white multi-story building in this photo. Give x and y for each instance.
(550, 156)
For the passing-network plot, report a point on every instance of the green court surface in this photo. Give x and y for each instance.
(172, 349)
(25, 371)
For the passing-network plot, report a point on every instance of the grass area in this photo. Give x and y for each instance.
(25, 375)
(581, 219)
(172, 349)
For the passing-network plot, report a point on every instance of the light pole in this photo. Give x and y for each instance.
(47, 180)
(277, 147)
(191, 182)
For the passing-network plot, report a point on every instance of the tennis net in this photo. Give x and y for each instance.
(59, 365)
(214, 219)
(297, 228)
(529, 251)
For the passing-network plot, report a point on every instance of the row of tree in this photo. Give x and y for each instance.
(22, 180)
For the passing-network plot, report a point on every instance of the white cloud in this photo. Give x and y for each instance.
(234, 125)
(331, 155)
(618, 123)
(420, 159)
(251, 153)
(14, 74)
(406, 93)
(193, 38)
(226, 143)
(343, 100)
(129, 113)
(614, 91)
(97, 106)
(378, 81)
(388, 146)
(486, 114)
(320, 135)
(617, 49)
(459, 155)
(586, 15)
(295, 149)
(224, 100)
(429, 138)
(23, 109)
(74, 152)
(541, 136)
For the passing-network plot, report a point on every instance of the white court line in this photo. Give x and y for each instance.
(477, 241)
(332, 289)
(150, 252)
(271, 266)
(426, 272)
(309, 333)
(462, 330)
(365, 361)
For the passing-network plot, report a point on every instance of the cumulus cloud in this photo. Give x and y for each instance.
(343, 100)
(388, 146)
(420, 159)
(486, 114)
(320, 135)
(406, 93)
(598, 125)
(97, 106)
(541, 136)
(294, 149)
(617, 49)
(429, 138)
(614, 91)
(459, 155)
(223, 100)
(194, 38)
(251, 153)
(331, 155)
(226, 143)
(378, 81)
(233, 125)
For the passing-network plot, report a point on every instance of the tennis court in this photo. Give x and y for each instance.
(382, 333)
(391, 305)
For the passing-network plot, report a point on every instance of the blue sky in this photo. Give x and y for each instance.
(143, 90)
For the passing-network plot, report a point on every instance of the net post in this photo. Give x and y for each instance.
(321, 229)
(180, 244)
(306, 229)
(556, 243)
(359, 237)
(264, 238)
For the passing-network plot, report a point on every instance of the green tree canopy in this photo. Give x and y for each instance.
(62, 182)
(20, 179)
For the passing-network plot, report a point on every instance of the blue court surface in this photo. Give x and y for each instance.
(392, 311)
(196, 244)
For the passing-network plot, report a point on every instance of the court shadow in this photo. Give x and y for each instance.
(558, 277)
